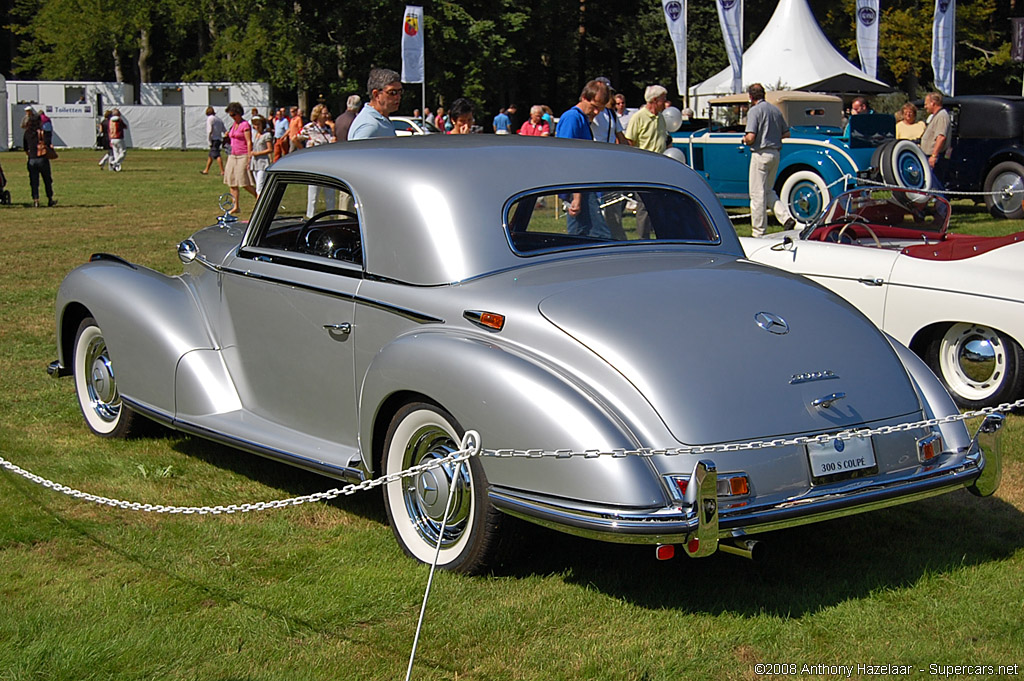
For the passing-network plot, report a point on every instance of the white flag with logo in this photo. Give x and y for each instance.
(412, 45)
(867, 36)
(943, 34)
(675, 17)
(730, 16)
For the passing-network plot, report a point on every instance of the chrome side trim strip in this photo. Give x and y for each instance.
(413, 315)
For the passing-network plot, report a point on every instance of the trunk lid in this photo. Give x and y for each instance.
(689, 339)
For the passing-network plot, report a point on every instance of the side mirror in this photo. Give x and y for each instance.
(785, 245)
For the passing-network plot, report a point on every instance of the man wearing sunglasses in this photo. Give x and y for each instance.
(385, 89)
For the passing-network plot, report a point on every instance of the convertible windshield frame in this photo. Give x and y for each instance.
(532, 233)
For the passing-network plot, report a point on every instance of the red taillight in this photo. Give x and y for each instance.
(681, 485)
(693, 546)
(665, 551)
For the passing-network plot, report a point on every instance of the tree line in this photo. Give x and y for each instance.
(494, 52)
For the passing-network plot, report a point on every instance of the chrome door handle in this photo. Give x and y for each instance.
(344, 328)
(871, 281)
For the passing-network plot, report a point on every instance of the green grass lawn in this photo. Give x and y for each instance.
(322, 591)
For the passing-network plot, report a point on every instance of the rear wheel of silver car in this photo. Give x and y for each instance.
(1006, 179)
(101, 405)
(421, 433)
(980, 366)
(805, 194)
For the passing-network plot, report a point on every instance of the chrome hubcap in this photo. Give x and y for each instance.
(977, 359)
(973, 361)
(1010, 188)
(101, 385)
(426, 494)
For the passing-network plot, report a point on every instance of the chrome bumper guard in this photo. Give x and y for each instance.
(698, 523)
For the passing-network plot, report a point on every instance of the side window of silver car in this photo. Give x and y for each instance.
(315, 219)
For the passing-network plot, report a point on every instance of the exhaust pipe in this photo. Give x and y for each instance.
(750, 549)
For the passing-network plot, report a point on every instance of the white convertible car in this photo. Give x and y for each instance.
(956, 300)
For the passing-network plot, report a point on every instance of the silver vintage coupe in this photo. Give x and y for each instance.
(551, 295)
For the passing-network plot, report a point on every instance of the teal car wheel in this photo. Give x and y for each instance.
(805, 194)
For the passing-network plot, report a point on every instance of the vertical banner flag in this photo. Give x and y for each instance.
(943, 34)
(867, 36)
(675, 17)
(412, 45)
(730, 16)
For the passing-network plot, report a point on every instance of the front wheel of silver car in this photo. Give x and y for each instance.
(98, 397)
(1004, 185)
(418, 506)
(981, 367)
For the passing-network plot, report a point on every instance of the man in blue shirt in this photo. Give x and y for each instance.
(502, 123)
(585, 217)
(385, 88)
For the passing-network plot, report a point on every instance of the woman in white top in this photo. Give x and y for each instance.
(262, 148)
(316, 133)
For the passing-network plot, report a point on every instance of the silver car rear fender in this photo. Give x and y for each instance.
(514, 402)
(149, 321)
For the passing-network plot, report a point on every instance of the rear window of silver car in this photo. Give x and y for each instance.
(571, 218)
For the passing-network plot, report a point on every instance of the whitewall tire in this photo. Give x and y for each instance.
(95, 385)
(420, 433)
(805, 194)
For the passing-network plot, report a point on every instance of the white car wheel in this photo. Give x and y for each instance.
(980, 366)
(420, 433)
(805, 194)
(95, 385)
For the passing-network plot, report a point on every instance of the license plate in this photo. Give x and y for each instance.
(839, 457)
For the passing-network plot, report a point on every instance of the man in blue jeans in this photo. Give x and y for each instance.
(585, 217)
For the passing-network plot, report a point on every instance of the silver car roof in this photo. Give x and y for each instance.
(432, 206)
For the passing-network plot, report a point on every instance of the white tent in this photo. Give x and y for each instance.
(794, 53)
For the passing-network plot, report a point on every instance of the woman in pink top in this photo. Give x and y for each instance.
(536, 126)
(236, 171)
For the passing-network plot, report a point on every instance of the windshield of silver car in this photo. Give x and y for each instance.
(570, 218)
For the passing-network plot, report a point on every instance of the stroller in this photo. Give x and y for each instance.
(5, 196)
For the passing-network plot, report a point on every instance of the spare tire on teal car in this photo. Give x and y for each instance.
(901, 163)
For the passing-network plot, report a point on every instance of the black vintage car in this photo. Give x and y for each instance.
(988, 150)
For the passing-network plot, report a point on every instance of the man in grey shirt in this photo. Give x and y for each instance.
(385, 88)
(935, 140)
(766, 128)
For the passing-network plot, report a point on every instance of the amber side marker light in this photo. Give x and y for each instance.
(929, 447)
(488, 320)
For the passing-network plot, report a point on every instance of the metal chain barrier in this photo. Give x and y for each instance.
(747, 446)
(455, 457)
(1005, 193)
(471, 446)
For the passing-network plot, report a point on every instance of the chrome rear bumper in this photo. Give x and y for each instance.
(682, 523)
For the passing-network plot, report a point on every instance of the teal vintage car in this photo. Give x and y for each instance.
(820, 159)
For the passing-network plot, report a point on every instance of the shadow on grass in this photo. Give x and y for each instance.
(291, 481)
(806, 568)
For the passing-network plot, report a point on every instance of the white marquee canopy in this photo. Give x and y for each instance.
(791, 52)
